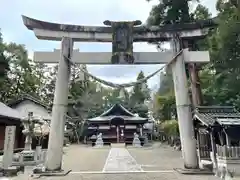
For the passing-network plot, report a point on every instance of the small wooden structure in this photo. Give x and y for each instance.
(25, 104)
(10, 117)
(217, 130)
(117, 125)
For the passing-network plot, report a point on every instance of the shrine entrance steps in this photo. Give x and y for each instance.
(118, 145)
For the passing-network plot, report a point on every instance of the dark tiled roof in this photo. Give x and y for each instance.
(117, 109)
(10, 113)
(27, 97)
(209, 115)
(109, 118)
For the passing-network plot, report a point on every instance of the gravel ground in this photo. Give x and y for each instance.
(158, 158)
(84, 158)
(129, 176)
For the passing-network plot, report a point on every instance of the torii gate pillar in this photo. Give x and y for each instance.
(59, 109)
(183, 106)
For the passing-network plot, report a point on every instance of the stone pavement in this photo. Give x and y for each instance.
(155, 163)
(120, 160)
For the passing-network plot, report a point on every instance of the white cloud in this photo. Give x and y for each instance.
(86, 12)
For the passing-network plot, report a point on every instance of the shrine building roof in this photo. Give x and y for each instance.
(117, 111)
(7, 113)
(213, 115)
(25, 97)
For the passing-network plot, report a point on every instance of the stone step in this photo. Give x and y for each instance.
(118, 145)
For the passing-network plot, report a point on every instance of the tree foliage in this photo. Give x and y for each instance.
(220, 78)
(140, 94)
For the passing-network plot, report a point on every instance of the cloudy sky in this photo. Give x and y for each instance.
(84, 12)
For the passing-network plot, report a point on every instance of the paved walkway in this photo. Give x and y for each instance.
(117, 163)
(120, 160)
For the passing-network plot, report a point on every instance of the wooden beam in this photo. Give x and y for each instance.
(105, 57)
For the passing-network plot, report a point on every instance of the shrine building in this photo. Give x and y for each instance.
(117, 125)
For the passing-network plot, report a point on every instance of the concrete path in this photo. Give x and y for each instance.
(120, 160)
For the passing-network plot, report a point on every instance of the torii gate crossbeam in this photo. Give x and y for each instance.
(105, 57)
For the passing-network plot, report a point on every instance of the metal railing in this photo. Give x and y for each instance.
(230, 152)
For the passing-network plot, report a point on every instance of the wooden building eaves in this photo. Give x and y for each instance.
(212, 115)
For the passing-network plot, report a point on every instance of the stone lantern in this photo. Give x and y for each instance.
(28, 131)
(27, 155)
(33, 127)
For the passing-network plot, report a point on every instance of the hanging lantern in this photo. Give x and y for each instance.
(121, 94)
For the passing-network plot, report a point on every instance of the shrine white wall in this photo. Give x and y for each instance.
(29, 106)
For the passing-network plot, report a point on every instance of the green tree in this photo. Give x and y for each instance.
(4, 66)
(224, 48)
(169, 12)
(23, 76)
(140, 93)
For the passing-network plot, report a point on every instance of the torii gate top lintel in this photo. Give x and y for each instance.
(55, 31)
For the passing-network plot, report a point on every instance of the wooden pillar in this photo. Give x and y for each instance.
(214, 151)
(227, 140)
(117, 131)
(141, 130)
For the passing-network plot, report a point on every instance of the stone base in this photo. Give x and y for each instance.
(147, 145)
(11, 171)
(230, 165)
(39, 172)
(98, 146)
(137, 146)
(27, 156)
(194, 171)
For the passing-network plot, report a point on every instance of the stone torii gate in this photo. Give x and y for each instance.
(68, 34)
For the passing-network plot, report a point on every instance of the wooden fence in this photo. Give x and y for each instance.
(230, 152)
(204, 152)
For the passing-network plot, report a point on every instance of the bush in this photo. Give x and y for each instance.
(170, 127)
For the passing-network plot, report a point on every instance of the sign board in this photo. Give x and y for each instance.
(122, 41)
(8, 146)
